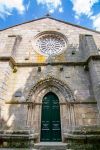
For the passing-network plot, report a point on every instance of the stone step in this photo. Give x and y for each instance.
(51, 146)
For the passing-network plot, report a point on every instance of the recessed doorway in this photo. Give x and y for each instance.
(50, 118)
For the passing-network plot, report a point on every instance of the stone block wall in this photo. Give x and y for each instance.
(5, 71)
(87, 115)
(95, 79)
(75, 77)
(17, 44)
(25, 51)
(27, 77)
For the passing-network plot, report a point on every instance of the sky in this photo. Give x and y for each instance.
(85, 13)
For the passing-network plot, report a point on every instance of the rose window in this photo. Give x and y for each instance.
(50, 44)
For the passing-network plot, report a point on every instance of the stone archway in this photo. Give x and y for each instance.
(65, 96)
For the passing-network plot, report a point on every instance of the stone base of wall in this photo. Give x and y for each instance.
(85, 138)
(17, 139)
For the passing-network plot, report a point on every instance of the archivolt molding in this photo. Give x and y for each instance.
(52, 82)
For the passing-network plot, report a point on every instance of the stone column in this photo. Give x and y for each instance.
(29, 115)
(94, 70)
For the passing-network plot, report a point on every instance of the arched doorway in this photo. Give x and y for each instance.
(50, 118)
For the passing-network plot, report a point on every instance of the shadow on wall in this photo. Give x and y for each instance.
(17, 112)
(14, 115)
(39, 73)
(13, 133)
(18, 109)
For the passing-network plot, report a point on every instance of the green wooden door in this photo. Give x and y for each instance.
(50, 119)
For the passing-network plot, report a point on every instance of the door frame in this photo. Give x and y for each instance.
(66, 109)
(48, 94)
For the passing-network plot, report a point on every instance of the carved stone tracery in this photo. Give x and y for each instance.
(50, 43)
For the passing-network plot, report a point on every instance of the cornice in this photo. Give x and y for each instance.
(30, 64)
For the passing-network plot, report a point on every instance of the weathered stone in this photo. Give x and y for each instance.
(26, 76)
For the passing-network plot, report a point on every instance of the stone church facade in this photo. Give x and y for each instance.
(49, 80)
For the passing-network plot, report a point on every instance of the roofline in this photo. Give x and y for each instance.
(52, 19)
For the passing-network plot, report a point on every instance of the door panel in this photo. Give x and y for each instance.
(50, 119)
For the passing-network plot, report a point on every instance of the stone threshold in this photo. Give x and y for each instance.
(51, 146)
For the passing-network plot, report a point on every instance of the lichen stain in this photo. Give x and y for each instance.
(60, 57)
(40, 58)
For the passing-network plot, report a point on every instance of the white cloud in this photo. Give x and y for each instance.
(96, 21)
(52, 5)
(27, 6)
(61, 10)
(51, 11)
(83, 7)
(7, 6)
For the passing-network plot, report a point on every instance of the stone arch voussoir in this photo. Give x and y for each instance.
(52, 82)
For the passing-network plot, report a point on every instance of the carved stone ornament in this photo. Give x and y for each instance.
(52, 82)
(50, 43)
